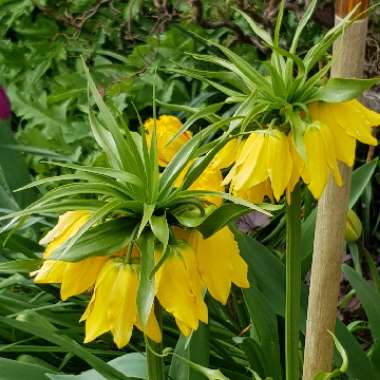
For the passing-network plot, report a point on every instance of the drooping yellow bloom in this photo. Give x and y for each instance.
(218, 260)
(113, 306)
(210, 180)
(167, 127)
(348, 122)
(257, 193)
(265, 156)
(321, 159)
(68, 225)
(179, 288)
(227, 155)
(75, 278)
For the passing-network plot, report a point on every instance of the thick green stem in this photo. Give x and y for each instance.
(293, 286)
(156, 368)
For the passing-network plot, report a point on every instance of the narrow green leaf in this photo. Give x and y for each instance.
(223, 215)
(264, 331)
(16, 266)
(256, 28)
(196, 349)
(120, 175)
(69, 345)
(146, 291)
(147, 214)
(160, 229)
(133, 365)
(301, 25)
(369, 298)
(102, 240)
(93, 219)
(13, 369)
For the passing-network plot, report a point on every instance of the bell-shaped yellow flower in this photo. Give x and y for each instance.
(348, 122)
(257, 193)
(321, 158)
(211, 179)
(75, 278)
(218, 260)
(167, 126)
(265, 156)
(227, 155)
(113, 305)
(179, 288)
(68, 225)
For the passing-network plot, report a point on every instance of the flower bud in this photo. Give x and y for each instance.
(353, 226)
(5, 105)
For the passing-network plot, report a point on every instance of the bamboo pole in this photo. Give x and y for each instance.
(348, 60)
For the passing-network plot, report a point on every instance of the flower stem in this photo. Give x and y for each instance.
(293, 285)
(156, 368)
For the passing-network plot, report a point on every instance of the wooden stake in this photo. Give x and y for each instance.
(348, 60)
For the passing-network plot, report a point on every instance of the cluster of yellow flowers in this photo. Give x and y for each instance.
(192, 265)
(268, 164)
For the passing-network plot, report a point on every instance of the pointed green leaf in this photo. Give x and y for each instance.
(339, 90)
(146, 289)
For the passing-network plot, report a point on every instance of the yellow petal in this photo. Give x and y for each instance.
(80, 276)
(297, 168)
(96, 314)
(352, 120)
(152, 329)
(279, 162)
(66, 231)
(51, 272)
(316, 165)
(64, 222)
(219, 262)
(183, 327)
(373, 118)
(255, 194)
(173, 289)
(122, 311)
(227, 155)
(344, 143)
(240, 269)
(330, 154)
(167, 127)
(252, 163)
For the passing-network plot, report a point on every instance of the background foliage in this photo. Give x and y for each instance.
(124, 42)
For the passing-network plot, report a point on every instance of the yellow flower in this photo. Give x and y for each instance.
(166, 128)
(227, 155)
(348, 122)
(321, 159)
(265, 156)
(218, 260)
(257, 193)
(68, 225)
(210, 180)
(179, 288)
(75, 277)
(113, 305)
